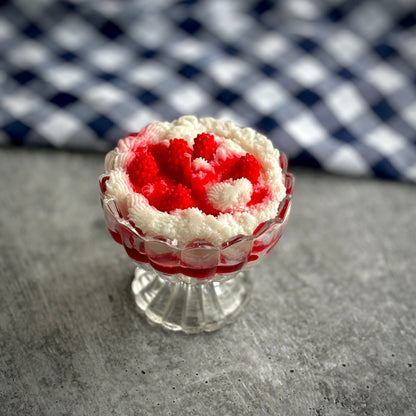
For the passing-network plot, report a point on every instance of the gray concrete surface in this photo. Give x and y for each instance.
(330, 328)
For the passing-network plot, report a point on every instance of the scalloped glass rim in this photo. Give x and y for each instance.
(261, 242)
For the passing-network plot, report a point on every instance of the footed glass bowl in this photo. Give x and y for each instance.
(197, 287)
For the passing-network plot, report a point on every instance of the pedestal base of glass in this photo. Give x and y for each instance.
(182, 303)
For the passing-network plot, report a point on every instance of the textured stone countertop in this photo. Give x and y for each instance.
(330, 328)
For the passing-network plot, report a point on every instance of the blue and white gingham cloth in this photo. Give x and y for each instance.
(331, 82)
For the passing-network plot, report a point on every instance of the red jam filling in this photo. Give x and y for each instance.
(165, 175)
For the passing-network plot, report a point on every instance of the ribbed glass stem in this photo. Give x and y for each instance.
(190, 305)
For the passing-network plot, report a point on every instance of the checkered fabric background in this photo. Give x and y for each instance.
(331, 82)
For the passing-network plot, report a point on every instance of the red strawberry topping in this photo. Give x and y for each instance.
(179, 161)
(155, 192)
(248, 167)
(167, 176)
(258, 195)
(175, 197)
(205, 146)
(160, 153)
(142, 169)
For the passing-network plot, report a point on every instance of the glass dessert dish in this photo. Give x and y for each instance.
(198, 286)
